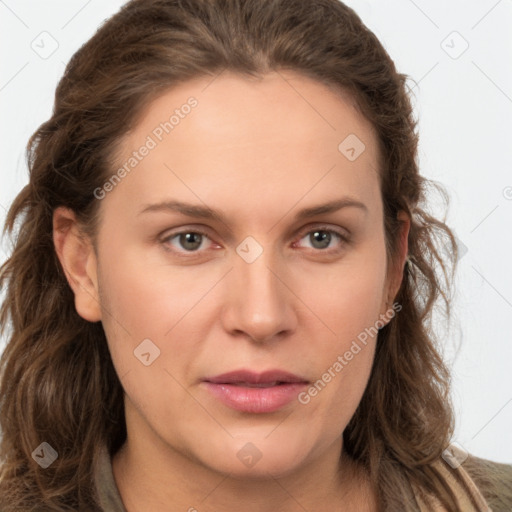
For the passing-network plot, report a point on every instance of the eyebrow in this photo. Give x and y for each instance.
(204, 212)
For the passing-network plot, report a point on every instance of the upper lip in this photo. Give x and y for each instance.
(250, 377)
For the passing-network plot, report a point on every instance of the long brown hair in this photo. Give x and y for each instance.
(58, 381)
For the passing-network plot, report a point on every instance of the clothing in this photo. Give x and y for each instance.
(474, 502)
(494, 478)
(106, 488)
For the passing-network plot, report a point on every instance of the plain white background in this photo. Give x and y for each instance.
(458, 56)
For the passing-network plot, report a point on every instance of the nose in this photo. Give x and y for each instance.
(259, 303)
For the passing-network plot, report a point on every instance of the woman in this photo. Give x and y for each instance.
(223, 275)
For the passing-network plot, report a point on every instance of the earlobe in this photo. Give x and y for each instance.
(78, 260)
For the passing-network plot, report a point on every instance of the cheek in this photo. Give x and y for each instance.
(144, 327)
(169, 306)
(148, 300)
(347, 298)
(349, 306)
(342, 366)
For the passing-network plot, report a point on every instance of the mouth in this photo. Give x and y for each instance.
(255, 393)
(255, 385)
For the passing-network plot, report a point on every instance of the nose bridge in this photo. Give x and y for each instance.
(259, 281)
(260, 303)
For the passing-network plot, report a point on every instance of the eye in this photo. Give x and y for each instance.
(321, 238)
(193, 241)
(185, 241)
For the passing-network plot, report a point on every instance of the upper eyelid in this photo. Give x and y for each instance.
(305, 229)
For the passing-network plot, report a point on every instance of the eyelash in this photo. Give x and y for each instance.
(344, 239)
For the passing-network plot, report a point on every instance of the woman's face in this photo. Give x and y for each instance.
(287, 276)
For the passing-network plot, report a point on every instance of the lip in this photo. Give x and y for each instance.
(252, 392)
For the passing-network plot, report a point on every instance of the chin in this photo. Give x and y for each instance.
(272, 467)
(257, 458)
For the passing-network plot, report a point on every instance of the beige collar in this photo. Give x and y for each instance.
(469, 498)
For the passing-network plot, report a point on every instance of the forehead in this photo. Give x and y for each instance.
(237, 108)
(285, 134)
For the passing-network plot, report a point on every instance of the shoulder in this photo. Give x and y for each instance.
(493, 480)
(479, 485)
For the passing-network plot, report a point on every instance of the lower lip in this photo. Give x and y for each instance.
(256, 400)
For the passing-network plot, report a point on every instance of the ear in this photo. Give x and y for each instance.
(397, 267)
(78, 259)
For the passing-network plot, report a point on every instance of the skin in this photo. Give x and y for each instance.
(259, 151)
